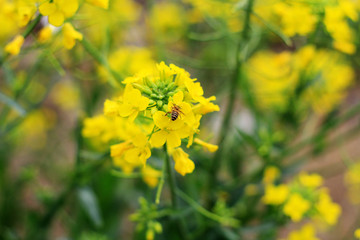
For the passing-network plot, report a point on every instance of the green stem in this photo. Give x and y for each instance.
(215, 163)
(115, 79)
(227, 221)
(171, 179)
(161, 185)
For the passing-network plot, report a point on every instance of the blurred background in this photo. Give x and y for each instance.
(285, 76)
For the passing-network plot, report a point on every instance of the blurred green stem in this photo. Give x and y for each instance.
(161, 183)
(215, 163)
(115, 79)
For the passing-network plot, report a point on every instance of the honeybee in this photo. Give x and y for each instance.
(175, 112)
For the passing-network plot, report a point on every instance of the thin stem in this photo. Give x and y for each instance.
(115, 78)
(161, 184)
(215, 164)
(171, 179)
(227, 221)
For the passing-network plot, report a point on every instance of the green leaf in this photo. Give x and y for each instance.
(248, 138)
(90, 205)
(12, 104)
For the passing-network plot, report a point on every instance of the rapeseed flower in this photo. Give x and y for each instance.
(160, 103)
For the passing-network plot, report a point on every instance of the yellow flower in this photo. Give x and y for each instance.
(357, 233)
(183, 164)
(45, 34)
(170, 131)
(328, 210)
(150, 176)
(14, 46)
(275, 195)
(99, 3)
(208, 146)
(310, 180)
(206, 106)
(296, 18)
(134, 151)
(307, 232)
(132, 103)
(271, 173)
(296, 207)
(70, 36)
(59, 10)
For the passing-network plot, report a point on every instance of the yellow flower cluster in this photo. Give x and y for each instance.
(303, 197)
(160, 105)
(301, 18)
(323, 77)
(307, 232)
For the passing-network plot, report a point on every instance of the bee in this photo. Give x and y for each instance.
(175, 112)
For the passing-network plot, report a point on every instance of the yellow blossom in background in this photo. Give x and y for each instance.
(275, 76)
(8, 14)
(15, 45)
(352, 181)
(58, 10)
(183, 163)
(99, 3)
(25, 11)
(275, 195)
(296, 18)
(271, 173)
(296, 207)
(150, 176)
(328, 210)
(70, 36)
(357, 233)
(208, 146)
(310, 180)
(167, 21)
(45, 34)
(66, 96)
(307, 232)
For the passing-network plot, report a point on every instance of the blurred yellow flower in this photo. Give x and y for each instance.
(310, 180)
(70, 36)
(357, 233)
(99, 3)
(296, 207)
(15, 45)
(307, 232)
(59, 10)
(271, 173)
(150, 175)
(275, 195)
(328, 210)
(45, 34)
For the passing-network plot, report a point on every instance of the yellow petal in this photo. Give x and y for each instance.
(45, 34)
(183, 164)
(161, 120)
(70, 36)
(158, 139)
(47, 8)
(125, 109)
(173, 140)
(178, 97)
(57, 18)
(68, 7)
(99, 3)
(208, 146)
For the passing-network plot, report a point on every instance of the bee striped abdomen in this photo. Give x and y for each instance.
(174, 115)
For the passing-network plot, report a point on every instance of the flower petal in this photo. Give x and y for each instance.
(158, 139)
